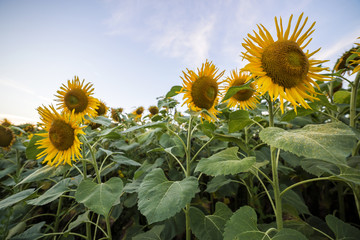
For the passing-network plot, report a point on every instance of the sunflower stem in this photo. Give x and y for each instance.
(188, 160)
(354, 89)
(108, 226)
(274, 167)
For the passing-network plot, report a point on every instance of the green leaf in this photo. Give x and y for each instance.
(122, 160)
(243, 225)
(79, 220)
(290, 115)
(318, 167)
(224, 163)
(342, 230)
(331, 142)
(32, 233)
(52, 194)
(216, 183)
(173, 91)
(292, 199)
(45, 172)
(99, 197)
(152, 234)
(209, 227)
(286, 234)
(33, 150)
(342, 97)
(238, 120)
(148, 125)
(160, 198)
(17, 197)
(349, 174)
(233, 90)
(100, 120)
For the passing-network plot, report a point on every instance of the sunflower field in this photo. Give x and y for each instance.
(267, 152)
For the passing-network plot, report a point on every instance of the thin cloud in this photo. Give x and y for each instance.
(21, 88)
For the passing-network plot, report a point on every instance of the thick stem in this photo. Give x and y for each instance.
(274, 167)
(57, 219)
(188, 160)
(353, 100)
(340, 191)
(108, 226)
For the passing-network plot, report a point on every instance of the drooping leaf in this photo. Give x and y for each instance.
(17, 197)
(122, 160)
(216, 183)
(314, 141)
(99, 197)
(79, 220)
(292, 199)
(209, 227)
(32, 233)
(319, 167)
(33, 150)
(234, 89)
(342, 230)
(45, 172)
(349, 174)
(238, 120)
(160, 198)
(290, 115)
(100, 120)
(52, 194)
(224, 163)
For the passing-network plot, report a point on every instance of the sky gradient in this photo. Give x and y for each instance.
(134, 51)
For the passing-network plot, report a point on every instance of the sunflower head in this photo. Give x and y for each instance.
(101, 109)
(153, 110)
(201, 89)
(76, 96)
(29, 128)
(6, 123)
(356, 61)
(282, 67)
(246, 98)
(60, 143)
(7, 137)
(342, 63)
(115, 113)
(138, 112)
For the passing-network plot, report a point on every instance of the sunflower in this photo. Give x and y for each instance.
(153, 110)
(246, 98)
(77, 96)
(342, 64)
(7, 137)
(6, 123)
(61, 140)
(101, 109)
(138, 112)
(115, 113)
(357, 60)
(281, 67)
(201, 89)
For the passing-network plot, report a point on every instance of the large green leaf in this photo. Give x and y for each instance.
(122, 160)
(17, 197)
(209, 227)
(224, 163)
(33, 150)
(342, 230)
(99, 197)
(243, 225)
(160, 198)
(45, 172)
(153, 234)
(331, 142)
(100, 120)
(52, 194)
(238, 120)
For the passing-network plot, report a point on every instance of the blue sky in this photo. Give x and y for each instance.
(134, 51)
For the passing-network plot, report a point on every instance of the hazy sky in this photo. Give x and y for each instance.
(134, 51)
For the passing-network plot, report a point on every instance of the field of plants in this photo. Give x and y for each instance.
(268, 152)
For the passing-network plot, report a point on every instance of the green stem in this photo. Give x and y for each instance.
(303, 182)
(194, 157)
(108, 226)
(266, 191)
(340, 191)
(274, 168)
(356, 149)
(57, 219)
(353, 100)
(188, 160)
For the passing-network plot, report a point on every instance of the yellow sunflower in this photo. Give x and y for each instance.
(201, 89)
(61, 140)
(245, 99)
(115, 113)
(138, 112)
(354, 62)
(77, 96)
(6, 123)
(153, 110)
(101, 109)
(281, 67)
(7, 137)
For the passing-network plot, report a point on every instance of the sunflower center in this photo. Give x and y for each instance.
(242, 95)
(61, 135)
(285, 63)
(6, 136)
(76, 99)
(204, 91)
